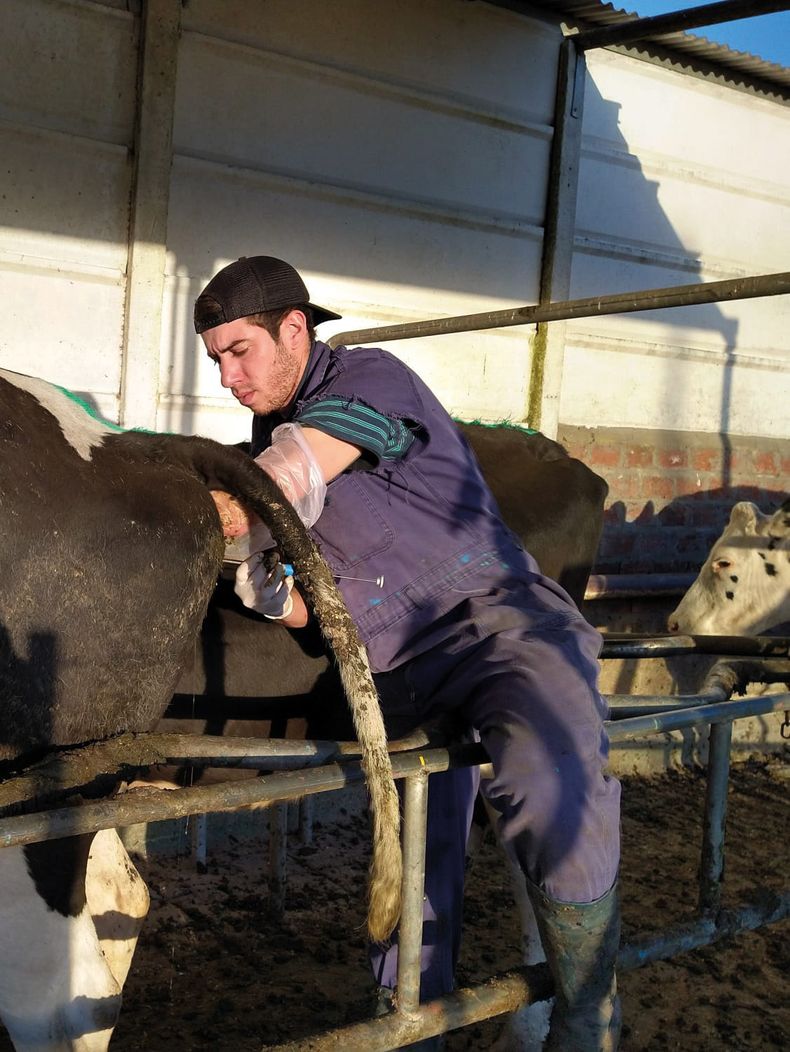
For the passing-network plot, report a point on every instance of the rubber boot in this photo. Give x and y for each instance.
(581, 942)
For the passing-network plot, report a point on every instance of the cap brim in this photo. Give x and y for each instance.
(321, 314)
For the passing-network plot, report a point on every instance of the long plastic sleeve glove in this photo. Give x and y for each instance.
(266, 591)
(290, 461)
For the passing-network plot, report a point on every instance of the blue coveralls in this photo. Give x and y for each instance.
(466, 624)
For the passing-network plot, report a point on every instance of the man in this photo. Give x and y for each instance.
(456, 617)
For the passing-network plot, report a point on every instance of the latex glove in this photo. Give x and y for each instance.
(290, 461)
(266, 591)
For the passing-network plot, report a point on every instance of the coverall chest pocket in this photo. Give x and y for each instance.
(351, 529)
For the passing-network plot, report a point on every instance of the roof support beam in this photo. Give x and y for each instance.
(631, 30)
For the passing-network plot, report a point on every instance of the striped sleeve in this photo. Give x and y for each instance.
(383, 436)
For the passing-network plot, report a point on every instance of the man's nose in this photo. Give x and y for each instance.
(228, 371)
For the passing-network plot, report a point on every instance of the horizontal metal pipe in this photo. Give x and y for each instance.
(257, 753)
(502, 993)
(590, 307)
(669, 646)
(663, 701)
(631, 30)
(765, 907)
(637, 585)
(95, 770)
(624, 706)
(154, 805)
(510, 990)
(291, 785)
(51, 781)
(664, 722)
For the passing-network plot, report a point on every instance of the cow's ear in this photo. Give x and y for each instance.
(744, 516)
(779, 525)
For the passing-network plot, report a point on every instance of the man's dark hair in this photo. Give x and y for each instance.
(271, 320)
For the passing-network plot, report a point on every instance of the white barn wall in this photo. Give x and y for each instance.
(682, 180)
(398, 154)
(401, 164)
(67, 97)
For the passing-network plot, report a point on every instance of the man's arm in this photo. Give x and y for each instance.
(332, 456)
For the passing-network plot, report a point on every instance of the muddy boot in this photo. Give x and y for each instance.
(581, 942)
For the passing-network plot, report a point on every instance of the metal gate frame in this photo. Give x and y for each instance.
(762, 659)
(503, 993)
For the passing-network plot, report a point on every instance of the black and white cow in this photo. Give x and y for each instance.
(110, 547)
(743, 587)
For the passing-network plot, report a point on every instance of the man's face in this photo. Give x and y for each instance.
(262, 373)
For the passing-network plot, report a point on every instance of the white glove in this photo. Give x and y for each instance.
(267, 592)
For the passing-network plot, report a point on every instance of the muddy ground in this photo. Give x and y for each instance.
(215, 971)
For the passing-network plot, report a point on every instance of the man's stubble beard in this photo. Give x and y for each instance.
(285, 377)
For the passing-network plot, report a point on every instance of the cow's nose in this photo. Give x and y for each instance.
(673, 626)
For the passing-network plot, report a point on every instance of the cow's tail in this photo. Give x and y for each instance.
(226, 468)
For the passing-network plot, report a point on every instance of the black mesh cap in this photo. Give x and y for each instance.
(253, 285)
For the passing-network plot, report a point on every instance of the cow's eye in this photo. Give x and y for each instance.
(721, 564)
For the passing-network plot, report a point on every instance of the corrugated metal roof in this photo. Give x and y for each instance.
(688, 50)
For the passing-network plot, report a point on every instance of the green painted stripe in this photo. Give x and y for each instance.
(95, 415)
(500, 423)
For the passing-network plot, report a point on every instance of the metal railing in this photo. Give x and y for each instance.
(419, 758)
(590, 307)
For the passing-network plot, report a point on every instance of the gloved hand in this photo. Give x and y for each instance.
(265, 590)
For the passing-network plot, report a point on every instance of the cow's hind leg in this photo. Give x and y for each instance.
(57, 993)
(118, 901)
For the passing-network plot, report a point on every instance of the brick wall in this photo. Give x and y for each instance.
(670, 492)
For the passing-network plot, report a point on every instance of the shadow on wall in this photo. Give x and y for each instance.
(626, 241)
(677, 538)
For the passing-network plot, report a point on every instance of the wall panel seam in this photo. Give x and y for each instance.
(361, 197)
(466, 107)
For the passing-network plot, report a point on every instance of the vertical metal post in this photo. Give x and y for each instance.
(278, 840)
(415, 822)
(199, 831)
(712, 857)
(306, 817)
(160, 29)
(558, 234)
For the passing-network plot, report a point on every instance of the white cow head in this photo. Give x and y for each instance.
(744, 586)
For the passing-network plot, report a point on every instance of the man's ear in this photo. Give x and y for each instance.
(293, 328)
